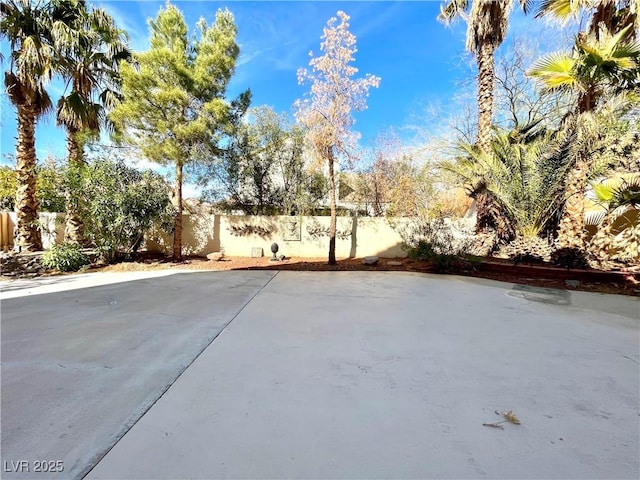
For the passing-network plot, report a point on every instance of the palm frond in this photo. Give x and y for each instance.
(526, 5)
(594, 217)
(609, 53)
(524, 173)
(452, 10)
(625, 192)
(555, 71)
(618, 193)
(74, 111)
(563, 10)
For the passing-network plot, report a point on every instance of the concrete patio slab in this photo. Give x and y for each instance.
(387, 375)
(80, 366)
(22, 287)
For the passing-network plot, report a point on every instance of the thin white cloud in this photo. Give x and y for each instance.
(125, 20)
(363, 24)
(246, 57)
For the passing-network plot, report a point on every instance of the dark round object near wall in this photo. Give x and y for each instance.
(274, 248)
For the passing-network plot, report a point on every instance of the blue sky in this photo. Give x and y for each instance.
(419, 60)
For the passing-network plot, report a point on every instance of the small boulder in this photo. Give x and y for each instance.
(370, 260)
(215, 256)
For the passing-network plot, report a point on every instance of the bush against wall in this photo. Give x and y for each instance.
(121, 205)
(50, 186)
(8, 179)
(438, 240)
(66, 257)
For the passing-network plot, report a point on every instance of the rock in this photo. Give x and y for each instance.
(21, 265)
(370, 260)
(394, 263)
(215, 256)
(572, 283)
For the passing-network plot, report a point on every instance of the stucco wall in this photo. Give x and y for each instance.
(52, 228)
(238, 235)
(296, 236)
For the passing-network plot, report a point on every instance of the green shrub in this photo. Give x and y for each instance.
(120, 205)
(51, 185)
(433, 240)
(66, 257)
(8, 179)
(424, 250)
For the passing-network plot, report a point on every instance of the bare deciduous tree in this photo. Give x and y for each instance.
(326, 111)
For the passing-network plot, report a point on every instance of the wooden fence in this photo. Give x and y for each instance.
(6, 231)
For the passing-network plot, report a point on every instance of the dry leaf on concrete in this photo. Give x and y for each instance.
(511, 417)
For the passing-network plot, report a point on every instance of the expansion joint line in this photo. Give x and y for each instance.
(170, 384)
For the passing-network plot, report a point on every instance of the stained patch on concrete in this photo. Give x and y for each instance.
(549, 296)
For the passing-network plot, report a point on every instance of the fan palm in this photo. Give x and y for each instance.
(611, 63)
(37, 32)
(608, 15)
(26, 25)
(487, 24)
(621, 198)
(90, 64)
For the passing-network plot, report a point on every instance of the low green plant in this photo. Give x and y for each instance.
(66, 257)
(425, 250)
(434, 241)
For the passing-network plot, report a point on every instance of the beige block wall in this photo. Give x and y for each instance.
(303, 237)
(52, 228)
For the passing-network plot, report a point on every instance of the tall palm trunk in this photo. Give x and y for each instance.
(601, 243)
(74, 226)
(485, 95)
(489, 215)
(177, 223)
(28, 237)
(571, 229)
(332, 201)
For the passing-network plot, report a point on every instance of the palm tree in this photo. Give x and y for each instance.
(90, 63)
(621, 198)
(597, 64)
(487, 24)
(523, 174)
(26, 24)
(606, 15)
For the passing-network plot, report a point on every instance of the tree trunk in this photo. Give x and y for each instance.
(587, 100)
(571, 231)
(484, 207)
(489, 214)
(177, 223)
(485, 96)
(28, 233)
(332, 200)
(74, 226)
(600, 245)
